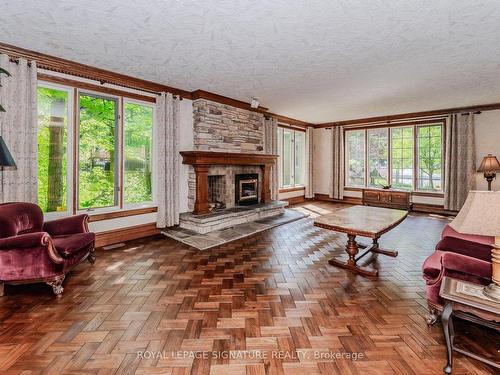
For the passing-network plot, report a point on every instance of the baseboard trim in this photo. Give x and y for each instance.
(135, 232)
(348, 200)
(294, 200)
(432, 209)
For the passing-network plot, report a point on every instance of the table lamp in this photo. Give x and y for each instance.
(6, 159)
(489, 166)
(480, 215)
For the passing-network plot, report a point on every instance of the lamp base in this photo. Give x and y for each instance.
(492, 291)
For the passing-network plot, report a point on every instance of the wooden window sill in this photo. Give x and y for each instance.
(121, 213)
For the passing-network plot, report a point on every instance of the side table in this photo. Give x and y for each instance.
(466, 301)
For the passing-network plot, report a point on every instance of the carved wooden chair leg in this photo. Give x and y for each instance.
(432, 317)
(91, 258)
(56, 285)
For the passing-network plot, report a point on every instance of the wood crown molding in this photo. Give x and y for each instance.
(411, 115)
(207, 158)
(60, 65)
(88, 86)
(202, 94)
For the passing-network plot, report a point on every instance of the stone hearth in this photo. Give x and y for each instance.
(230, 217)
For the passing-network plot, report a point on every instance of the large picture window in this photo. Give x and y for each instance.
(53, 108)
(104, 161)
(138, 147)
(97, 152)
(405, 157)
(355, 157)
(291, 150)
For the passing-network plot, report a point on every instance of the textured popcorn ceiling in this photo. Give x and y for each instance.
(312, 60)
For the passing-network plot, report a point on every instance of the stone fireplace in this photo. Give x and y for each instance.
(212, 189)
(239, 183)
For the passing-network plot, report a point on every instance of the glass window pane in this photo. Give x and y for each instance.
(299, 157)
(52, 149)
(138, 122)
(97, 171)
(378, 154)
(355, 157)
(429, 157)
(402, 157)
(287, 157)
(280, 157)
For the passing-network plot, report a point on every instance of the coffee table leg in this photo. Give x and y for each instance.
(350, 264)
(446, 320)
(378, 250)
(351, 249)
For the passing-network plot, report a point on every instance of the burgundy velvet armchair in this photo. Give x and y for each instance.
(32, 251)
(461, 256)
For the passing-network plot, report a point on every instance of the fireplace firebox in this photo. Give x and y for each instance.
(246, 189)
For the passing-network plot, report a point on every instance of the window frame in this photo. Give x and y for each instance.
(72, 147)
(416, 158)
(118, 189)
(281, 134)
(69, 148)
(415, 125)
(154, 162)
(346, 160)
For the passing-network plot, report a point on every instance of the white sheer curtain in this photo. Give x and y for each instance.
(271, 147)
(459, 160)
(167, 151)
(309, 193)
(337, 180)
(18, 127)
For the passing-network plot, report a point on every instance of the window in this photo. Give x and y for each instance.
(53, 107)
(355, 157)
(402, 157)
(378, 157)
(137, 152)
(430, 141)
(300, 146)
(97, 152)
(409, 156)
(291, 149)
(110, 146)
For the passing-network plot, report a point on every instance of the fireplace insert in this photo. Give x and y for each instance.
(247, 189)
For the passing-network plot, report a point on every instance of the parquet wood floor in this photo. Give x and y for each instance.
(272, 299)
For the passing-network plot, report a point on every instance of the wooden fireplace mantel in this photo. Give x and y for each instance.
(225, 158)
(202, 160)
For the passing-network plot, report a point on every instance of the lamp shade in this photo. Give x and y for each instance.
(480, 214)
(489, 164)
(6, 159)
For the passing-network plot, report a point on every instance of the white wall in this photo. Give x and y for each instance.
(322, 156)
(487, 141)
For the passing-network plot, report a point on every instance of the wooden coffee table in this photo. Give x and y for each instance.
(363, 221)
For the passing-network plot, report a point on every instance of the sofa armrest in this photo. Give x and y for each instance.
(472, 245)
(27, 241)
(67, 225)
(464, 264)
